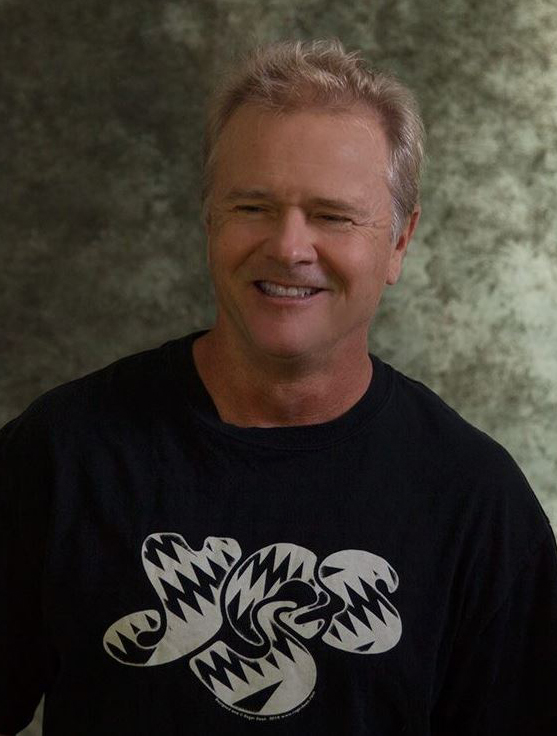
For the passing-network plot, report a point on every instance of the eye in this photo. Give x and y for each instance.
(248, 208)
(338, 219)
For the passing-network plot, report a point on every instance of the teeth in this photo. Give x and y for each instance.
(293, 291)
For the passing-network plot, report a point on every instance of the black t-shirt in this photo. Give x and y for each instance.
(387, 572)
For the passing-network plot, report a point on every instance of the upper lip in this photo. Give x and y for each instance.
(289, 285)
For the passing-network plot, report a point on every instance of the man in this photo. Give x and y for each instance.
(262, 528)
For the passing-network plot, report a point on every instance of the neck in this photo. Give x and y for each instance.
(271, 392)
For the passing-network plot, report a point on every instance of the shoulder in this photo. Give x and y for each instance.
(476, 490)
(435, 424)
(477, 471)
(123, 391)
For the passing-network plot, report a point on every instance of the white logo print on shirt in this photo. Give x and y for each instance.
(245, 622)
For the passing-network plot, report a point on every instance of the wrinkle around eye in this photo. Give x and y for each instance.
(334, 222)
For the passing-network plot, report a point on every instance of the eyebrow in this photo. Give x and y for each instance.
(235, 194)
(339, 205)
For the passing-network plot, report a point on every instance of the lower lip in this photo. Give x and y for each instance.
(288, 300)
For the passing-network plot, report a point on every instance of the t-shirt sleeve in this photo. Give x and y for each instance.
(502, 678)
(22, 644)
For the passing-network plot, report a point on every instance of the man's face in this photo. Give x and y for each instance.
(299, 231)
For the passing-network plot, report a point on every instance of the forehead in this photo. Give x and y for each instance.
(306, 148)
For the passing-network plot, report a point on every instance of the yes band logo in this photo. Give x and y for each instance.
(245, 623)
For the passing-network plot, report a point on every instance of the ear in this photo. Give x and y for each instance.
(207, 229)
(401, 247)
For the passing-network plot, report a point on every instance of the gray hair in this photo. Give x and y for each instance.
(294, 75)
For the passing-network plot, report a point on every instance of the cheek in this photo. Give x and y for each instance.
(227, 254)
(222, 248)
(357, 266)
(234, 240)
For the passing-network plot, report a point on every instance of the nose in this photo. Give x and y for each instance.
(291, 240)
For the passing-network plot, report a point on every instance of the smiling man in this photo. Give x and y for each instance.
(262, 527)
(300, 249)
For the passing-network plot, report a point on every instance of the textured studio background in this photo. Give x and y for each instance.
(101, 249)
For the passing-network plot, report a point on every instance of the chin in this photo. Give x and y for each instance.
(279, 338)
(286, 347)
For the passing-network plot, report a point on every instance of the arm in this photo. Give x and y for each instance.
(21, 639)
(501, 680)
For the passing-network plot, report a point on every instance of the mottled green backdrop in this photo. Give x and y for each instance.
(101, 249)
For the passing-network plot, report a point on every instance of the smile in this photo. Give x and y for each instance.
(296, 292)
